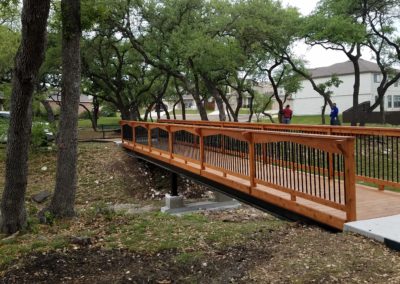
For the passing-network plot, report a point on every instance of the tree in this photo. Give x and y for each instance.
(116, 73)
(383, 40)
(28, 60)
(63, 201)
(281, 76)
(261, 103)
(340, 25)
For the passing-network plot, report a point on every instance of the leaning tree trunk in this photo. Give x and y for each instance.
(49, 111)
(323, 112)
(28, 60)
(62, 203)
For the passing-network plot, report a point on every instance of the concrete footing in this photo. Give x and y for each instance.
(385, 230)
(175, 204)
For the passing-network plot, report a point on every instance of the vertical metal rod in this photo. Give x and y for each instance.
(373, 156)
(392, 150)
(324, 172)
(334, 177)
(339, 163)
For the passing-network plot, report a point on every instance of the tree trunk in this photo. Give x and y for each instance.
(183, 107)
(49, 111)
(323, 112)
(382, 112)
(62, 203)
(251, 105)
(356, 91)
(125, 113)
(96, 109)
(28, 60)
(216, 95)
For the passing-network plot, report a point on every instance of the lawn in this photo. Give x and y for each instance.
(104, 245)
(86, 123)
(187, 111)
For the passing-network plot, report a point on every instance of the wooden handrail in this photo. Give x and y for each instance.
(334, 129)
(373, 146)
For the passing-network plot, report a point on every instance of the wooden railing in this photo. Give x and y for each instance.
(312, 175)
(376, 149)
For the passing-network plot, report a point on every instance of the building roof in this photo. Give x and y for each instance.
(344, 68)
(82, 99)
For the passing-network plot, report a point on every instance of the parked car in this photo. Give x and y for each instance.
(43, 128)
(4, 114)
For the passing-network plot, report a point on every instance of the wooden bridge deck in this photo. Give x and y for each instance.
(312, 175)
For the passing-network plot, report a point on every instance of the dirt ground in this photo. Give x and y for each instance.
(243, 245)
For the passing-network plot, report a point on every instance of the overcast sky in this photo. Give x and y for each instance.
(316, 56)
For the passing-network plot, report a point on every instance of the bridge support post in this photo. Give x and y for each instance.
(174, 184)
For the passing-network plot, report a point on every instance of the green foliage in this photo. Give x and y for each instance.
(334, 81)
(261, 103)
(39, 137)
(3, 130)
(9, 42)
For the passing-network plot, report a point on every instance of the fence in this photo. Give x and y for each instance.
(376, 149)
(306, 173)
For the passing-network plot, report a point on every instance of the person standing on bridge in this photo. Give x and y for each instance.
(287, 114)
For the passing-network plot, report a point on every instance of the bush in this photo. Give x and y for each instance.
(3, 130)
(84, 115)
(42, 134)
(108, 111)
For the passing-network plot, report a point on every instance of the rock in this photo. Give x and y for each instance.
(41, 196)
(82, 241)
(44, 168)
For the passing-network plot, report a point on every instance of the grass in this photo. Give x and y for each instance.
(188, 111)
(86, 123)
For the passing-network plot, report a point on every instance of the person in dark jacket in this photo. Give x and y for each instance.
(334, 115)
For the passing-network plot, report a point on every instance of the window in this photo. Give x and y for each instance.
(377, 78)
(389, 100)
(396, 101)
(396, 84)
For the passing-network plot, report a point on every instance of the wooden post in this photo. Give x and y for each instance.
(133, 134)
(350, 181)
(201, 140)
(252, 163)
(149, 137)
(170, 142)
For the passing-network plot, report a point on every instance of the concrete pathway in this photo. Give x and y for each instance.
(385, 230)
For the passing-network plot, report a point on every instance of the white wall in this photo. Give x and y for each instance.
(309, 102)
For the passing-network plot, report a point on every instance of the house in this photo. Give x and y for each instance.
(308, 102)
(84, 101)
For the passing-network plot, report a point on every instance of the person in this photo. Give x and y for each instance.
(334, 115)
(287, 115)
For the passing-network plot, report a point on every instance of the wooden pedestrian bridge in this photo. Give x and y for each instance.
(330, 174)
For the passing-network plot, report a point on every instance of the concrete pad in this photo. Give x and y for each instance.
(385, 230)
(204, 205)
(220, 197)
